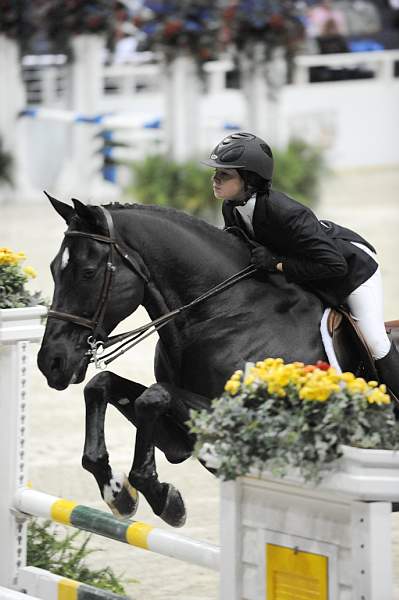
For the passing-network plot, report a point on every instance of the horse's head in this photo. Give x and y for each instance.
(94, 291)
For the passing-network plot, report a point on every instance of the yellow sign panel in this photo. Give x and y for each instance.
(295, 575)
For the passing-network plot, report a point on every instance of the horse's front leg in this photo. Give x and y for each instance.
(158, 405)
(102, 389)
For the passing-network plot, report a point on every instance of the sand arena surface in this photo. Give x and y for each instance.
(365, 201)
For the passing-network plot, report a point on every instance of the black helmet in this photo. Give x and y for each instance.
(243, 151)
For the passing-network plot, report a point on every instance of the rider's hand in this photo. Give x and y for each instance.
(262, 258)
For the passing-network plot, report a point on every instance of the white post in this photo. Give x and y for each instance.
(216, 71)
(371, 550)
(261, 84)
(82, 173)
(12, 101)
(18, 326)
(182, 108)
(230, 540)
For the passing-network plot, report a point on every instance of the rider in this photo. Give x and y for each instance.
(334, 262)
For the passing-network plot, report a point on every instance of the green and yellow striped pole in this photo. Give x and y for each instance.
(135, 533)
(48, 586)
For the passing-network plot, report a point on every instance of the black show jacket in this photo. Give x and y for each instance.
(316, 254)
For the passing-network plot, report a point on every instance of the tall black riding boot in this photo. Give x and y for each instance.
(388, 370)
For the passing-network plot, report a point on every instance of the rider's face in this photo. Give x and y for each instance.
(227, 184)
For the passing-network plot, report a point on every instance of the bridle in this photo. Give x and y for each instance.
(99, 341)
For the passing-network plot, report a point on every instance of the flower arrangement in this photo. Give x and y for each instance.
(204, 28)
(174, 27)
(67, 18)
(14, 20)
(272, 24)
(293, 416)
(13, 278)
(55, 20)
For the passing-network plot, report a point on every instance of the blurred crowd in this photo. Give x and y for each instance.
(330, 26)
(135, 28)
(350, 25)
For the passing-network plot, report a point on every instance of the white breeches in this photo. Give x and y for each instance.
(366, 306)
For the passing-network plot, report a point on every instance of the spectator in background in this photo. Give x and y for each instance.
(323, 12)
(331, 41)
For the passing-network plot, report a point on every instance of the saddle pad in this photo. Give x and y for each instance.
(345, 346)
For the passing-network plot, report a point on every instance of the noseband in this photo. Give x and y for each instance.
(129, 339)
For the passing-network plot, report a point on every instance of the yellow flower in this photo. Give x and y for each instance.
(357, 386)
(7, 257)
(236, 376)
(30, 272)
(347, 377)
(232, 387)
(372, 384)
(378, 397)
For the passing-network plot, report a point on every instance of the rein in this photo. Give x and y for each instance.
(126, 341)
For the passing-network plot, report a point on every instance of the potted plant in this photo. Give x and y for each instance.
(20, 310)
(297, 420)
(308, 469)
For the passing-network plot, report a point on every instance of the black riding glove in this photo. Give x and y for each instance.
(262, 258)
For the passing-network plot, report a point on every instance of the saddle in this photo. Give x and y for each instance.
(350, 346)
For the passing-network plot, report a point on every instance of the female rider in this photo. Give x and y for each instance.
(336, 263)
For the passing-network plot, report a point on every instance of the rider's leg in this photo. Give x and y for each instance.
(366, 306)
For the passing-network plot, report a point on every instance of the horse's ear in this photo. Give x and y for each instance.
(90, 215)
(82, 210)
(64, 210)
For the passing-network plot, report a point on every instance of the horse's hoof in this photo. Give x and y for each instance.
(121, 497)
(174, 511)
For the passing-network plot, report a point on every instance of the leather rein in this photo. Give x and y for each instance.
(126, 341)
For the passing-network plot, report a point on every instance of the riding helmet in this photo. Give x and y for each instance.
(243, 150)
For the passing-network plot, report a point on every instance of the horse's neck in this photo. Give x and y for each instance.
(185, 257)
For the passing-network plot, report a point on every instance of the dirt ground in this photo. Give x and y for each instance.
(366, 201)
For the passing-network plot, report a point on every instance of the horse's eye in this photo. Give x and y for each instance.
(89, 273)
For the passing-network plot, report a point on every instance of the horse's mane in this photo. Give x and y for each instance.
(179, 216)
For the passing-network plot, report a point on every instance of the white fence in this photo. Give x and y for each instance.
(355, 121)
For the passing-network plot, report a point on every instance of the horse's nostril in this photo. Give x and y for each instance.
(56, 363)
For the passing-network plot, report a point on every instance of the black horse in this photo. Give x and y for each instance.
(163, 259)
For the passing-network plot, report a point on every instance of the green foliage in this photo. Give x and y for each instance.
(298, 424)
(66, 555)
(187, 186)
(5, 166)
(298, 171)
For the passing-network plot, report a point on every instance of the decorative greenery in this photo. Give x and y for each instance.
(186, 186)
(293, 416)
(61, 555)
(6, 163)
(14, 21)
(298, 171)
(173, 27)
(68, 18)
(13, 278)
(55, 20)
(266, 22)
